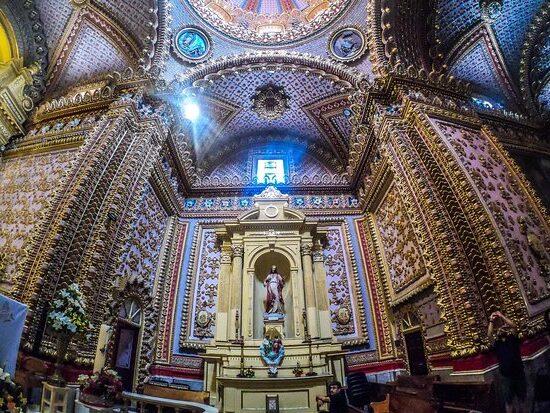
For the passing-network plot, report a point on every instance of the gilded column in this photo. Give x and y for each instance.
(309, 287)
(223, 294)
(236, 293)
(320, 276)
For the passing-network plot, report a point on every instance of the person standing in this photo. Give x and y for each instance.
(502, 332)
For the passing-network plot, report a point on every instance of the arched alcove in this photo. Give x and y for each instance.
(262, 267)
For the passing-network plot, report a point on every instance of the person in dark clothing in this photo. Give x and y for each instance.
(336, 398)
(503, 333)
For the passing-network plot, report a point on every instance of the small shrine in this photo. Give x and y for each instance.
(273, 337)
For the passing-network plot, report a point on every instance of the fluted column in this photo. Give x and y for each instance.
(309, 287)
(222, 318)
(236, 292)
(320, 275)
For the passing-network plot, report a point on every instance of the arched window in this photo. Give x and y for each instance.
(131, 311)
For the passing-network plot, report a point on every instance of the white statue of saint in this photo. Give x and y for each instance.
(273, 283)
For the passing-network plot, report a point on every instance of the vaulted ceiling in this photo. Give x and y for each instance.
(501, 47)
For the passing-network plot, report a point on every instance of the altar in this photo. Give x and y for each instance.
(274, 348)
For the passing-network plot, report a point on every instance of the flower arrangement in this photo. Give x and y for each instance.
(297, 371)
(11, 394)
(249, 373)
(101, 388)
(68, 312)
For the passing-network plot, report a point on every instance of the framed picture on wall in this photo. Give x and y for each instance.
(272, 403)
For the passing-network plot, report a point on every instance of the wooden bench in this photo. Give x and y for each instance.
(176, 394)
(144, 402)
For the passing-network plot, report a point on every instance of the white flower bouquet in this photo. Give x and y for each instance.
(68, 312)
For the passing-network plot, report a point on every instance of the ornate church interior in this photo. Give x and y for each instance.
(222, 205)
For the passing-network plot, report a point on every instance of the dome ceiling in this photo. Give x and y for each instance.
(269, 22)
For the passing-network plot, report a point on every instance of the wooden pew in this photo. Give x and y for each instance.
(176, 394)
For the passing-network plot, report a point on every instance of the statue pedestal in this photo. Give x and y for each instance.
(295, 394)
(275, 321)
(222, 363)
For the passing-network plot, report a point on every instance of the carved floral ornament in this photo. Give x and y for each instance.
(262, 26)
(491, 10)
(270, 102)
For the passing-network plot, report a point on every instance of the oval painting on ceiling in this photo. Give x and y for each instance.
(347, 44)
(269, 22)
(192, 45)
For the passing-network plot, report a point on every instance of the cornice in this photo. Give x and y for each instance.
(164, 191)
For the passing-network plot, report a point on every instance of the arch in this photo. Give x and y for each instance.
(262, 266)
(530, 86)
(137, 291)
(286, 252)
(202, 75)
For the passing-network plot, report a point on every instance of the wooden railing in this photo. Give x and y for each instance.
(142, 401)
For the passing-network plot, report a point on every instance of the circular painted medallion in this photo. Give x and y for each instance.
(192, 45)
(347, 44)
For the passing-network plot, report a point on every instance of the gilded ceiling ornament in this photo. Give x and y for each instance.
(269, 23)
(270, 102)
(490, 10)
(347, 44)
(192, 45)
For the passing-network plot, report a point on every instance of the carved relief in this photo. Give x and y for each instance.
(26, 185)
(403, 257)
(142, 248)
(517, 220)
(205, 293)
(339, 285)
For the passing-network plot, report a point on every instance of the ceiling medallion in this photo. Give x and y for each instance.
(270, 102)
(192, 45)
(347, 44)
(490, 10)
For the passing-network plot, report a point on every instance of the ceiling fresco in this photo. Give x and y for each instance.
(282, 71)
(269, 22)
(305, 91)
(487, 51)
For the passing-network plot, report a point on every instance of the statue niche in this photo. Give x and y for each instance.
(272, 301)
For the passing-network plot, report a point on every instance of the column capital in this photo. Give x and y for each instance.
(318, 256)
(305, 248)
(237, 250)
(225, 257)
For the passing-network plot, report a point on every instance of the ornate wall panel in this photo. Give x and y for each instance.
(536, 168)
(451, 254)
(93, 211)
(142, 248)
(26, 187)
(167, 290)
(316, 204)
(55, 16)
(374, 273)
(346, 306)
(523, 228)
(199, 309)
(403, 257)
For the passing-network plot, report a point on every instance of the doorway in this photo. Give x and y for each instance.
(416, 354)
(127, 334)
